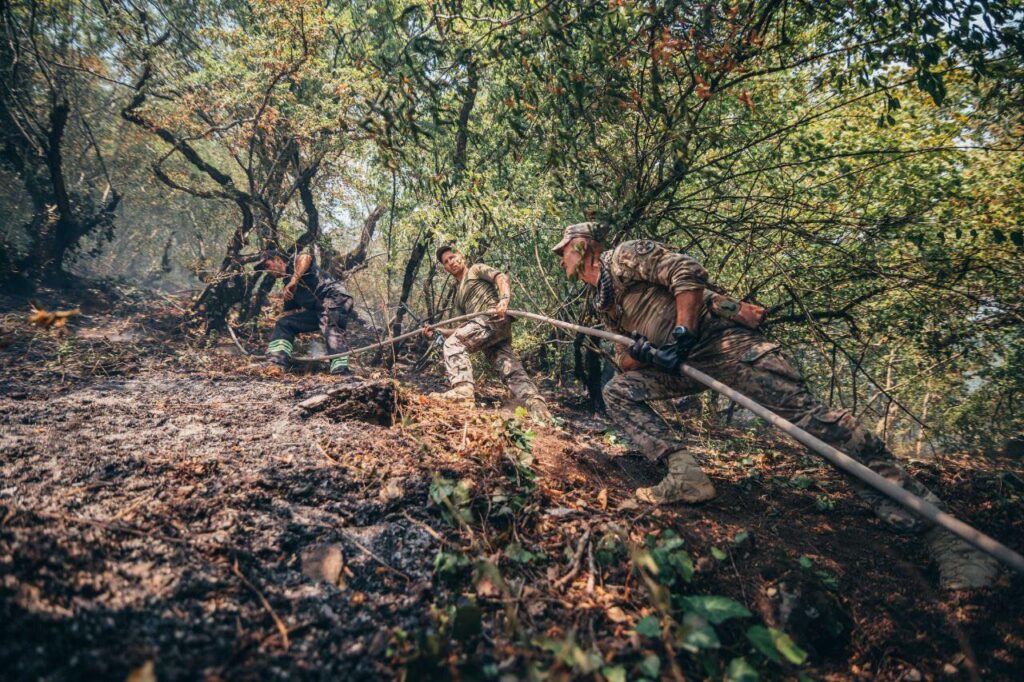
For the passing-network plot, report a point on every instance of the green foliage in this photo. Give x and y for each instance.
(454, 498)
(614, 673)
(648, 626)
(849, 165)
(714, 609)
(650, 666)
(467, 621)
(450, 564)
(826, 578)
(567, 651)
(740, 671)
(704, 625)
(672, 562)
(770, 643)
(519, 554)
(695, 634)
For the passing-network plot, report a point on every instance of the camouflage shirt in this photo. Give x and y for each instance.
(646, 276)
(478, 289)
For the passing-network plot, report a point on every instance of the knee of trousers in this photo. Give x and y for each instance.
(456, 357)
(509, 368)
(831, 425)
(282, 329)
(619, 391)
(335, 339)
(453, 346)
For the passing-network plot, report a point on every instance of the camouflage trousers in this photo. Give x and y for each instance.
(747, 362)
(495, 340)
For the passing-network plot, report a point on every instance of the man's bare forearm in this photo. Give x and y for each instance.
(504, 284)
(688, 305)
(302, 264)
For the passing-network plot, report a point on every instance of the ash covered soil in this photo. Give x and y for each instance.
(167, 508)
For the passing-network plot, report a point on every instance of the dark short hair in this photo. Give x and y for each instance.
(443, 249)
(265, 255)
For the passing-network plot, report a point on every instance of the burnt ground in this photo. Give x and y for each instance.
(167, 509)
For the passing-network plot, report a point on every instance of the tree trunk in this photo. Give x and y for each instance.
(229, 286)
(587, 369)
(462, 134)
(338, 265)
(412, 266)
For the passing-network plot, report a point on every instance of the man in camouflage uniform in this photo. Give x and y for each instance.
(483, 288)
(663, 298)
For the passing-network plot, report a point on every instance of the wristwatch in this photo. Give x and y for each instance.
(685, 339)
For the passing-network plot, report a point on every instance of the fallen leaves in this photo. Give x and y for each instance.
(50, 319)
(616, 614)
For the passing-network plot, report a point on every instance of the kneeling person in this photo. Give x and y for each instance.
(661, 297)
(312, 300)
(482, 288)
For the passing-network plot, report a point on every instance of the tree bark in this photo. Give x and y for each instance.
(588, 370)
(412, 266)
(462, 131)
(340, 266)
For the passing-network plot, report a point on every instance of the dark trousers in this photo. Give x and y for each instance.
(331, 324)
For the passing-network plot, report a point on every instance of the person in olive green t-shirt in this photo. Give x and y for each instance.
(482, 288)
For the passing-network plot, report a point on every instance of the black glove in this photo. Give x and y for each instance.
(644, 351)
(667, 357)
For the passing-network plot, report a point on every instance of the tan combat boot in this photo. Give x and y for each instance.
(538, 409)
(684, 482)
(961, 566)
(459, 393)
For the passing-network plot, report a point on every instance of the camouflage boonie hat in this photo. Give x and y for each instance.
(574, 232)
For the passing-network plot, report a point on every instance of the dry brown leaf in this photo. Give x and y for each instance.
(703, 90)
(392, 490)
(602, 498)
(47, 319)
(746, 99)
(486, 588)
(616, 615)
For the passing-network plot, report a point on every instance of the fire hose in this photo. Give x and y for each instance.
(836, 458)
